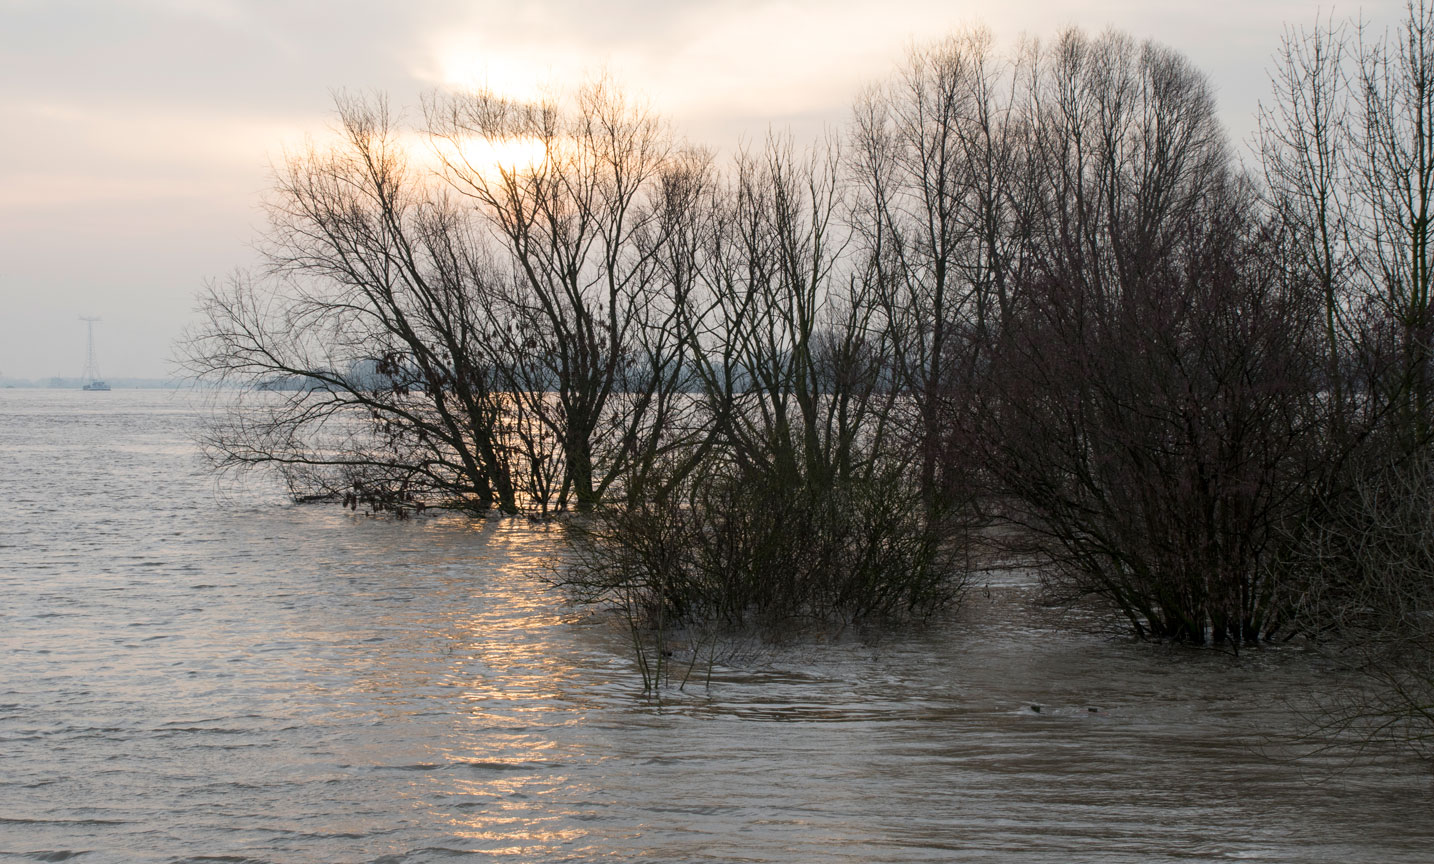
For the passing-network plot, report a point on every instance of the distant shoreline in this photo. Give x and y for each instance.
(77, 383)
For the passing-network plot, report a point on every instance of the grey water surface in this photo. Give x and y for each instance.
(198, 671)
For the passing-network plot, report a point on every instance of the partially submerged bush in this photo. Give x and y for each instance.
(1371, 585)
(733, 550)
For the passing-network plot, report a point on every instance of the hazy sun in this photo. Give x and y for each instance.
(466, 62)
(483, 158)
(508, 154)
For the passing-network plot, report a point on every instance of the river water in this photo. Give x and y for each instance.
(200, 671)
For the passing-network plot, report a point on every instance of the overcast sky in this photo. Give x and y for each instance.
(137, 134)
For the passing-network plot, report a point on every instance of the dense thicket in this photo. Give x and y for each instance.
(1031, 288)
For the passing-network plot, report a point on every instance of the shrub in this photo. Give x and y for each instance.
(729, 549)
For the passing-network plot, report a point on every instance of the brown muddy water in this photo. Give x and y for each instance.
(195, 672)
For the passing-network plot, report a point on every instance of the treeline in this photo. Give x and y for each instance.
(1033, 288)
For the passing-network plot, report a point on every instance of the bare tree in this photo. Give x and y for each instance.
(356, 351)
(1394, 168)
(1348, 151)
(794, 372)
(940, 164)
(584, 336)
(1152, 415)
(1305, 148)
(1346, 148)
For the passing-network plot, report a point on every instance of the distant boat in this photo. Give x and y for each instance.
(92, 366)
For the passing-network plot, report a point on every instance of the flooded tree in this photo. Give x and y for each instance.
(501, 327)
(803, 507)
(356, 356)
(585, 331)
(941, 172)
(1152, 414)
(1346, 146)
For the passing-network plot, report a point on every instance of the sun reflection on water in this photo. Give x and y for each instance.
(487, 676)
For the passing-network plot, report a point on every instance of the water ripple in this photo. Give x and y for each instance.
(192, 677)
